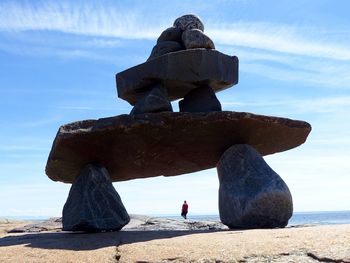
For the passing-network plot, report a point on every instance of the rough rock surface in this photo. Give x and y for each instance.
(179, 72)
(52, 224)
(304, 244)
(170, 34)
(155, 101)
(195, 38)
(200, 100)
(164, 47)
(137, 223)
(146, 223)
(251, 194)
(93, 204)
(189, 21)
(153, 144)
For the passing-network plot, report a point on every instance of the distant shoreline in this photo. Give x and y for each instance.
(298, 218)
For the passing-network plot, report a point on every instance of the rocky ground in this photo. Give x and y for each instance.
(147, 239)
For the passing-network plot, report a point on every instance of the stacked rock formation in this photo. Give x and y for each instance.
(183, 65)
(153, 140)
(186, 33)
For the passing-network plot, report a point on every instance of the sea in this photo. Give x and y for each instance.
(298, 218)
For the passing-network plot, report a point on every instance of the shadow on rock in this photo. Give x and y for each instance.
(83, 241)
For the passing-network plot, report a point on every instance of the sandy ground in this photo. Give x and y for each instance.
(301, 244)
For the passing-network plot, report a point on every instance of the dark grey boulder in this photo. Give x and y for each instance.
(251, 194)
(194, 38)
(93, 205)
(155, 101)
(170, 34)
(164, 47)
(200, 100)
(189, 21)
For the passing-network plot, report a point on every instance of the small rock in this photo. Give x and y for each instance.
(93, 205)
(202, 99)
(170, 34)
(195, 38)
(189, 22)
(155, 101)
(251, 194)
(163, 48)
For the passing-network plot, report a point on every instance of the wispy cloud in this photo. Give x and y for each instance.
(43, 122)
(313, 56)
(310, 105)
(100, 20)
(86, 19)
(280, 38)
(327, 73)
(24, 144)
(103, 43)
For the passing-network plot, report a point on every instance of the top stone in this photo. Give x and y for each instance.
(187, 22)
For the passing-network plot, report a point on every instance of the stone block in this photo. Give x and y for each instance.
(93, 205)
(251, 194)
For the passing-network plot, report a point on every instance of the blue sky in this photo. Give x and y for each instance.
(58, 61)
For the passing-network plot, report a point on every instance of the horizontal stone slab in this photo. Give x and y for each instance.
(167, 143)
(179, 72)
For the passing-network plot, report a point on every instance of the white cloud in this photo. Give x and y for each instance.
(309, 105)
(308, 55)
(40, 122)
(24, 144)
(103, 43)
(108, 21)
(87, 19)
(280, 38)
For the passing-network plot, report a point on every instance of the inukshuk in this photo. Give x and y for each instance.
(155, 141)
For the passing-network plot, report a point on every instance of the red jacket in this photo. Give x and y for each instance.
(185, 208)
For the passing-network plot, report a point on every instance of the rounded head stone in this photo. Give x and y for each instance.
(189, 22)
(195, 38)
(164, 47)
(170, 34)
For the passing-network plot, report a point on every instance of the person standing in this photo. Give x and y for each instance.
(184, 210)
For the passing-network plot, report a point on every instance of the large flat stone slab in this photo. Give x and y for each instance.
(179, 72)
(153, 144)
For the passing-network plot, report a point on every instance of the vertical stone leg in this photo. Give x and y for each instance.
(93, 205)
(202, 99)
(251, 194)
(156, 100)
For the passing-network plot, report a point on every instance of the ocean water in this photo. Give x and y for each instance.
(320, 218)
(298, 218)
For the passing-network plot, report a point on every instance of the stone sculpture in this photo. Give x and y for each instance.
(153, 140)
